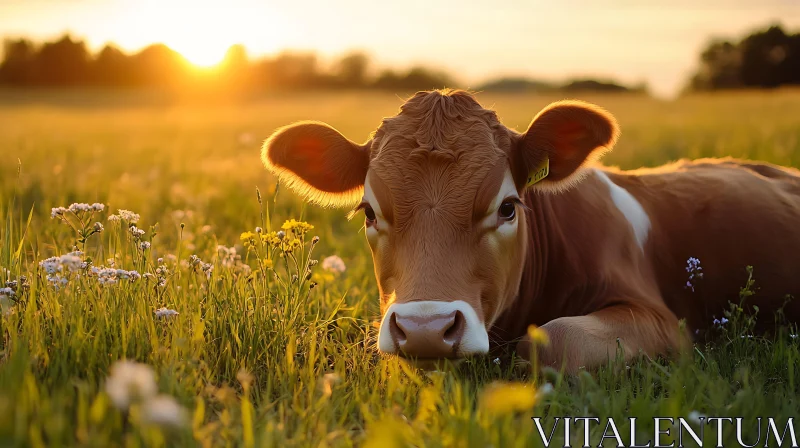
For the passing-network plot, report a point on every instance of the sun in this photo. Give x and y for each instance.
(204, 53)
(202, 32)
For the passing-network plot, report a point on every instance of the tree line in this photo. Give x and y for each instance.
(67, 62)
(764, 59)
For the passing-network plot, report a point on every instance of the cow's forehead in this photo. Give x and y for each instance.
(443, 125)
(436, 154)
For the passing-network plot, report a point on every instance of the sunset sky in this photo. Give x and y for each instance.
(629, 40)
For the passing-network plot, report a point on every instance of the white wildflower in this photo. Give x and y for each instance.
(51, 265)
(136, 232)
(79, 207)
(281, 234)
(329, 380)
(164, 410)
(98, 227)
(333, 264)
(114, 218)
(73, 261)
(57, 268)
(793, 336)
(98, 207)
(57, 211)
(162, 271)
(496, 361)
(129, 216)
(129, 381)
(165, 312)
(544, 391)
(7, 293)
(259, 230)
(111, 276)
(696, 417)
(144, 245)
(227, 255)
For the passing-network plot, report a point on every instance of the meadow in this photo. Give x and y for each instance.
(271, 346)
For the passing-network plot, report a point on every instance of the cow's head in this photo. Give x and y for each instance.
(441, 188)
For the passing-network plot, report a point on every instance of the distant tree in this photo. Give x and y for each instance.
(417, 78)
(18, 65)
(581, 85)
(764, 59)
(591, 85)
(64, 62)
(289, 71)
(767, 58)
(720, 67)
(112, 67)
(516, 85)
(235, 70)
(351, 70)
(158, 66)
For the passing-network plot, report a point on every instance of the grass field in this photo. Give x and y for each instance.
(255, 358)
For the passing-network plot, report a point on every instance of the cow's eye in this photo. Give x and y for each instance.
(508, 210)
(370, 214)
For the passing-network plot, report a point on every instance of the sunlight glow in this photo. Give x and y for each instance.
(200, 31)
(203, 53)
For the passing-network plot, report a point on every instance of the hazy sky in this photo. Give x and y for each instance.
(630, 40)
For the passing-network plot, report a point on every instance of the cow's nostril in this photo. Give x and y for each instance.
(456, 329)
(396, 331)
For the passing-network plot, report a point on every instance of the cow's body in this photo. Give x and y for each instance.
(475, 228)
(584, 256)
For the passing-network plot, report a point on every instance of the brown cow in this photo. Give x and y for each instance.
(475, 227)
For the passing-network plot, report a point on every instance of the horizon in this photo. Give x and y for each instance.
(621, 40)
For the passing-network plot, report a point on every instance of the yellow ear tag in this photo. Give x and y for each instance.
(538, 173)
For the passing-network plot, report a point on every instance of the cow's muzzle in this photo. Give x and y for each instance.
(432, 330)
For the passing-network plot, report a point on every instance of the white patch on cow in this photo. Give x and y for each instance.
(474, 340)
(507, 189)
(630, 208)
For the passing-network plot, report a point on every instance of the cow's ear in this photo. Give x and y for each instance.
(318, 163)
(563, 137)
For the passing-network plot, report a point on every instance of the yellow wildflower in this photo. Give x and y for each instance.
(502, 398)
(267, 263)
(538, 335)
(247, 238)
(271, 238)
(296, 227)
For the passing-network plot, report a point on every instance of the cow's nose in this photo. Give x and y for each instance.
(433, 336)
